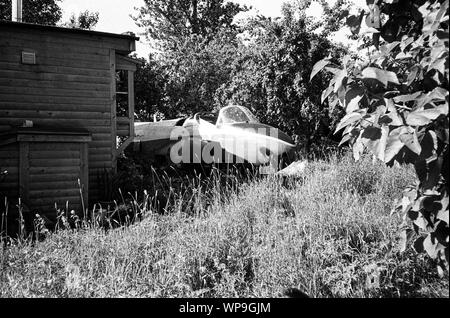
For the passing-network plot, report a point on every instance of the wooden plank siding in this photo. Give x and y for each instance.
(71, 86)
(9, 161)
(123, 126)
(47, 170)
(15, 33)
(112, 97)
(39, 69)
(46, 190)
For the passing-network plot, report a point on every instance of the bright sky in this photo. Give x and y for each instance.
(114, 15)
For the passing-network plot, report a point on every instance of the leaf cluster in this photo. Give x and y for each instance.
(270, 75)
(167, 22)
(45, 12)
(86, 20)
(396, 103)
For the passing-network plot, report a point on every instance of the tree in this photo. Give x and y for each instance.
(85, 20)
(332, 15)
(149, 89)
(45, 12)
(268, 73)
(198, 40)
(195, 71)
(396, 101)
(271, 75)
(168, 21)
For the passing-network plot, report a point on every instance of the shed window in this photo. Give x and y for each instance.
(124, 101)
(122, 93)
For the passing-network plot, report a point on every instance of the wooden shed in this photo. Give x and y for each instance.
(66, 96)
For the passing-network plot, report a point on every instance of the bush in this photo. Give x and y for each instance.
(396, 103)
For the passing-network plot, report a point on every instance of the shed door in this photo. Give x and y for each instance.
(49, 176)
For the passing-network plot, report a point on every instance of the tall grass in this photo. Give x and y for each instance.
(329, 233)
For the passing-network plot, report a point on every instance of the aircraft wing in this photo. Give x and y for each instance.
(152, 138)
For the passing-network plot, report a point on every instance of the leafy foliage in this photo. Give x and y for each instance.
(271, 75)
(85, 20)
(196, 71)
(396, 103)
(169, 21)
(149, 88)
(260, 63)
(198, 42)
(45, 12)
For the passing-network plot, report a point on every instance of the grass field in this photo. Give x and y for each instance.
(329, 233)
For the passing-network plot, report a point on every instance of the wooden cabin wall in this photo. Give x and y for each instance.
(53, 170)
(9, 161)
(69, 87)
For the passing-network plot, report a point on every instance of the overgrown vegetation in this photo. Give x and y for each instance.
(329, 233)
(396, 101)
(332, 232)
(208, 56)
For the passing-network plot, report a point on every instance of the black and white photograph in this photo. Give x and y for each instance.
(224, 155)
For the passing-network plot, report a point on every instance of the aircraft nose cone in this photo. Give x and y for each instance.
(284, 137)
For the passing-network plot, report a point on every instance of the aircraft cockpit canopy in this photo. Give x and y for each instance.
(236, 114)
